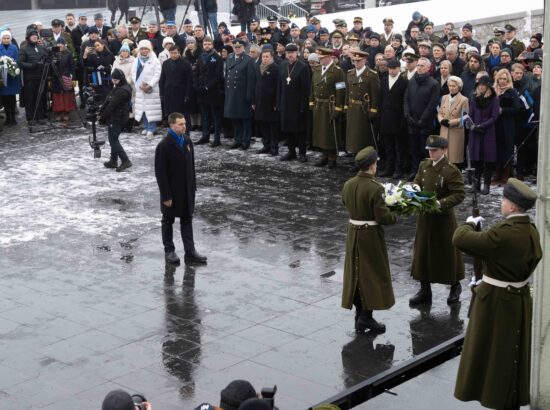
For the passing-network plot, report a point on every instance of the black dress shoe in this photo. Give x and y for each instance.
(366, 321)
(423, 296)
(454, 294)
(195, 258)
(202, 141)
(215, 144)
(235, 145)
(289, 156)
(321, 162)
(263, 150)
(302, 158)
(171, 257)
(332, 163)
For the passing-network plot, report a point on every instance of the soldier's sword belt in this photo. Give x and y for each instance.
(502, 284)
(362, 223)
(323, 100)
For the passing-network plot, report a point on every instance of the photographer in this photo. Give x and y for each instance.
(98, 61)
(115, 112)
(62, 89)
(31, 60)
(121, 400)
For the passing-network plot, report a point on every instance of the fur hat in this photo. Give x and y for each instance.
(145, 44)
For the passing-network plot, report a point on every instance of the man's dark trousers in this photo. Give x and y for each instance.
(186, 227)
(117, 151)
(209, 114)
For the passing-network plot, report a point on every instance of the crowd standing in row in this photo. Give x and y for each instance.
(307, 86)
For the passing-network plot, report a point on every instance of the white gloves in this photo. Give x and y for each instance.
(477, 220)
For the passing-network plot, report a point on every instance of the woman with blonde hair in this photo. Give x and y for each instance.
(452, 107)
(510, 107)
(445, 70)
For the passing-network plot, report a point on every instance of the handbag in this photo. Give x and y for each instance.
(67, 83)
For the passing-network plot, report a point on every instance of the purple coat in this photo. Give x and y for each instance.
(484, 112)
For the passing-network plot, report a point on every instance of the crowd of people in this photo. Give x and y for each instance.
(345, 89)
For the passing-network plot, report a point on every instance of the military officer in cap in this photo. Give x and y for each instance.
(265, 36)
(328, 93)
(253, 38)
(511, 42)
(357, 26)
(273, 29)
(385, 38)
(353, 40)
(136, 32)
(362, 95)
(283, 32)
(495, 362)
(341, 26)
(367, 279)
(337, 40)
(435, 259)
(324, 38)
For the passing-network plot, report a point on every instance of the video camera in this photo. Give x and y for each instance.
(268, 395)
(139, 399)
(92, 109)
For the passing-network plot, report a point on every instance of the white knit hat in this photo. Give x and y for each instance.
(5, 33)
(145, 44)
(167, 40)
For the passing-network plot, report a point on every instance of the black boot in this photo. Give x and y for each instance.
(486, 182)
(112, 163)
(456, 290)
(235, 145)
(194, 257)
(125, 165)
(302, 158)
(203, 140)
(172, 258)
(263, 150)
(289, 156)
(366, 321)
(321, 162)
(423, 296)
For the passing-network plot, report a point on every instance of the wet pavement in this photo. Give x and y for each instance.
(89, 306)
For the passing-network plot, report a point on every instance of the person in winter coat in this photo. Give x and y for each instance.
(12, 87)
(63, 96)
(31, 60)
(175, 84)
(484, 111)
(98, 64)
(114, 113)
(510, 106)
(421, 99)
(244, 10)
(167, 43)
(124, 62)
(209, 88)
(146, 75)
(452, 107)
(468, 76)
(154, 36)
(264, 103)
(191, 55)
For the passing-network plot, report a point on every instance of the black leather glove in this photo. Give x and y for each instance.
(445, 122)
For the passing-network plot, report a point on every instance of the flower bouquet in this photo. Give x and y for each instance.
(408, 200)
(7, 67)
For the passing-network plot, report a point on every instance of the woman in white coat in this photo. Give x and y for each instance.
(146, 75)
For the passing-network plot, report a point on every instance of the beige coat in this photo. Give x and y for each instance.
(455, 132)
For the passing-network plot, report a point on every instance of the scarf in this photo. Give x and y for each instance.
(264, 68)
(494, 60)
(501, 90)
(180, 139)
(483, 101)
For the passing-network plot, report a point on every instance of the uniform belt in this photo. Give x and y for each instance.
(358, 102)
(323, 100)
(502, 284)
(362, 223)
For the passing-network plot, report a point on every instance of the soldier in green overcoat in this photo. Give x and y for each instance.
(435, 259)
(367, 279)
(362, 93)
(495, 364)
(328, 92)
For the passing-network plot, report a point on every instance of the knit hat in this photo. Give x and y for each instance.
(538, 37)
(5, 32)
(61, 40)
(145, 44)
(416, 15)
(190, 39)
(118, 400)
(485, 80)
(313, 58)
(167, 40)
(93, 29)
(507, 51)
(235, 393)
(124, 47)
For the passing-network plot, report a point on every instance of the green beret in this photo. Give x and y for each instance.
(366, 157)
(435, 141)
(519, 193)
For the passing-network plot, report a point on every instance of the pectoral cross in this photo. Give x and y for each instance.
(288, 80)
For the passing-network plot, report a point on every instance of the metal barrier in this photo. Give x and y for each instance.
(292, 10)
(263, 11)
(384, 381)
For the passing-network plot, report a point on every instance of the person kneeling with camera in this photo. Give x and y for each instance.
(121, 400)
(115, 112)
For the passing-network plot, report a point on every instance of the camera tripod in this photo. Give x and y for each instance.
(42, 89)
(151, 5)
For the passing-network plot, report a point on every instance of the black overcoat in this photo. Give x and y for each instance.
(391, 105)
(265, 97)
(209, 85)
(240, 80)
(175, 85)
(421, 101)
(175, 173)
(293, 96)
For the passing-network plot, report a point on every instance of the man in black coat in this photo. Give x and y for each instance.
(101, 27)
(293, 100)
(209, 87)
(175, 174)
(240, 82)
(451, 52)
(175, 84)
(392, 98)
(421, 99)
(265, 103)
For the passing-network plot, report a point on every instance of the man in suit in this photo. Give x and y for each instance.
(240, 81)
(175, 174)
(101, 27)
(392, 98)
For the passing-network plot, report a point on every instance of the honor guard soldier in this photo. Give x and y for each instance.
(362, 94)
(511, 42)
(495, 362)
(367, 279)
(435, 259)
(136, 32)
(328, 92)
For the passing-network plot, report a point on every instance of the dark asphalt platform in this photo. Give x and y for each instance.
(88, 304)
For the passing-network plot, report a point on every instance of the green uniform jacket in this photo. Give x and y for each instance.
(141, 35)
(435, 258)
(366, 266)
(359, 111)
(495, 364)
(323, 88)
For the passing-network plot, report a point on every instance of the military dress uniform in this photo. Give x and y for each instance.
(328, 93)
(367, 279)
(515, 45)
(495, 362)
(362, 96)
(141, 33)
(435, 259)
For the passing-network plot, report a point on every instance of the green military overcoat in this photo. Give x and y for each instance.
(435, 259)
(366, 265)
(324, 88)
(495, 364)
(359, 111)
